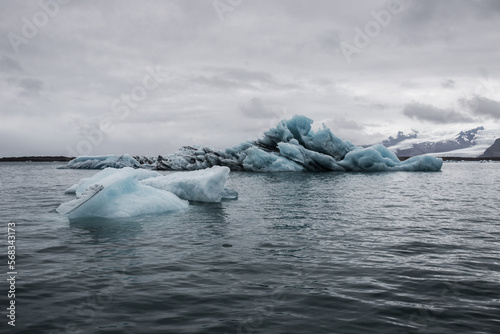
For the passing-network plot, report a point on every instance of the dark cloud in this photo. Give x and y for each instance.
(430, 113)
(9, 65)
(483, 106)
(449, 84)
(341, 122)
(488, 7)
(29, 86)
(378, 106)
(255, 108)
(330, 40)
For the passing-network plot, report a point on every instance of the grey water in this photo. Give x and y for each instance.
(296, 253)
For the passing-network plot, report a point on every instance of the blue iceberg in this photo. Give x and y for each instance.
(291, 146)
(128, 192)
(117, 193)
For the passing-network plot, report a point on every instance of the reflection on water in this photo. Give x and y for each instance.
(107, 230)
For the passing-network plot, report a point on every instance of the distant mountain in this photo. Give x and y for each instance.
(409, 145)
(493, 151)
(391, 141)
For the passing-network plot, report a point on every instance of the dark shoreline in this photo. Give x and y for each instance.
(36, 159)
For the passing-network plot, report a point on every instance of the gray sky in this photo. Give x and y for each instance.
(146, 77)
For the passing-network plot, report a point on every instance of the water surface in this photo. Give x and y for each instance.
(296, 253)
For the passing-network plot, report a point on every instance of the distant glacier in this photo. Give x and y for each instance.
(471, 143)
(290, 146)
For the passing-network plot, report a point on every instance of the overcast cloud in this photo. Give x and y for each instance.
(429, 113)
(146, 77)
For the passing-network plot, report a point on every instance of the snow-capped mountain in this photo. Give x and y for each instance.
(470, 143)
(391, 141)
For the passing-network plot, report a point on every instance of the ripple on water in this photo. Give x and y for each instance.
(310, 253)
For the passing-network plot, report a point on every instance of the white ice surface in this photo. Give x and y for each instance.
(121, 196)
(206, 185)
(108, 176)
(127, 192)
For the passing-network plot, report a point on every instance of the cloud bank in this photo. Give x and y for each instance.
(74, 72)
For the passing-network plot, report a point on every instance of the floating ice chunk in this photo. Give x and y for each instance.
(204, 185)
(127, 192)
(422, 163)
(119, 195)
(103, 161)
(228, 193)
(257, 160)
(379, 158)
(368, 159)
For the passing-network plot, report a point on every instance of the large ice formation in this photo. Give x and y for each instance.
(291, 146)
(127, 192)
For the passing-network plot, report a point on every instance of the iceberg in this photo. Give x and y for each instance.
(118, 194)
(291, 146)
(128, 192)
(103, 161)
